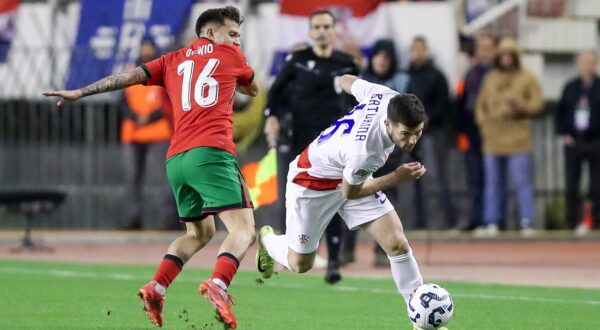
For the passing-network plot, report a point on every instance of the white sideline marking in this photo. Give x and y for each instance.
(270, 283)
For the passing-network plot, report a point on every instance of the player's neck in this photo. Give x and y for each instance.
(323, 52)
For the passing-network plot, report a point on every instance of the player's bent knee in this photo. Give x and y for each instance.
(301, 263)
(398, 246)
(203, 235)
(302, 266)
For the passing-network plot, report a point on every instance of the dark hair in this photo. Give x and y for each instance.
(218, 16)
(321, 12)
(407, 110)
(387, 46)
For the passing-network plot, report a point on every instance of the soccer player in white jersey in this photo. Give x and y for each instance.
(334, 174)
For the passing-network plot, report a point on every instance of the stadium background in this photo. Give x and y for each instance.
(70, 43)
(61, 43)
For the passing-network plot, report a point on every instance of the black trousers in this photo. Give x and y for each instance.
(144, 165)
(575, 157)
(475, 182)
(135, 154)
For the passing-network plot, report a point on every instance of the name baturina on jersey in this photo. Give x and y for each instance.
(204, 49)
(372, 108)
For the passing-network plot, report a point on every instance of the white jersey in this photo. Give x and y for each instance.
(352, 148)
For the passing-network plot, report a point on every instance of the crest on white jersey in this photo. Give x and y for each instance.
(361, 173)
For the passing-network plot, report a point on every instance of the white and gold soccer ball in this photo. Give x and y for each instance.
(430, 307)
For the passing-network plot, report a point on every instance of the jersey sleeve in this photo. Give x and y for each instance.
(361, 89)
(155, 71)
(359, 168)
(246, 73)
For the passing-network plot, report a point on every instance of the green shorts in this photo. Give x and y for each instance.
(206, 181)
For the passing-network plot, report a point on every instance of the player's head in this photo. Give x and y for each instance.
(405, 120)
(419, 51)
(322, 28)
(220, 25)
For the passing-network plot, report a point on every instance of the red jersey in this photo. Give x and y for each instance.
(201, 80)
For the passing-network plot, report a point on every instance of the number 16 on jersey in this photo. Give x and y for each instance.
(206, 88)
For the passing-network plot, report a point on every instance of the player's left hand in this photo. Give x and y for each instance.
(408, 171)
(70, 95)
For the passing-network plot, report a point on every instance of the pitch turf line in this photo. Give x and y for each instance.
(271, 283)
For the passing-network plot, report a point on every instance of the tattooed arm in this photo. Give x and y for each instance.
(110, 83)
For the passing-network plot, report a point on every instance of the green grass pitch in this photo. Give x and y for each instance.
(43, 295)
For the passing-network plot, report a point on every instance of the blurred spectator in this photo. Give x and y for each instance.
(350, 46)
(483, 61)
(429, 84)
(381, 69)
(578, 122)
(509, 98)
(305, 88)
(145, 134)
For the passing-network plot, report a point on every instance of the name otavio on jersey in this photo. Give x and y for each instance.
(372, 108)
(204, 49)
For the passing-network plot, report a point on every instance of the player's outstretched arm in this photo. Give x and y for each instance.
(110, 83)
(404, 172)
(346, 81)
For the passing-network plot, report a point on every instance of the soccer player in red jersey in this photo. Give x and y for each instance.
(201, 80)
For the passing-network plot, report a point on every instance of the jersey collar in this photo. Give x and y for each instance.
(387, 140)
(201, 41)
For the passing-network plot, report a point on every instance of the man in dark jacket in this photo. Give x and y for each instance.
(578, 122)
(429, 84)
(314, 103)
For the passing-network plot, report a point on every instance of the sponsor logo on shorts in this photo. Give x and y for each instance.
(303, 238)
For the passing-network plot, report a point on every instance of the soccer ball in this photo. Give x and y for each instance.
(430, 307)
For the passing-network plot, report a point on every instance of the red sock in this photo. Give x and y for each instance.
(226, 267)
(168, 269)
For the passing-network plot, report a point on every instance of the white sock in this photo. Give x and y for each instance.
(160, 289)
(277, 246)
(220, 283)
(406, 273)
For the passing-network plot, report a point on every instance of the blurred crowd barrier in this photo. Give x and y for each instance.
(77, 149)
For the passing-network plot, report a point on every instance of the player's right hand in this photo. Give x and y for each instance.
(70, 95)
(272, 130)
(410, 171)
